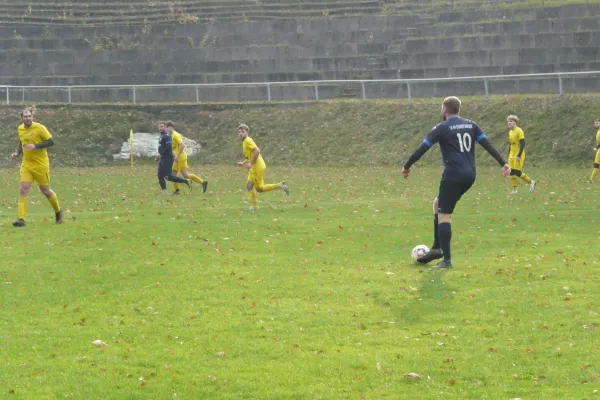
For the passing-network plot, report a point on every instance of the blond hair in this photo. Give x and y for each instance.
(452, 105)
(512, 118)
(31, 109)
(244, 127)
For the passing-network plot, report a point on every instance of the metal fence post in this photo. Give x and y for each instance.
(69, 91)
(133, 91)
(197, 95)
(560, 85)
(7, 96)
(408, 93)
(364, 93)
(487, 89)
(268, 92)
(316, 92)
(23, 94)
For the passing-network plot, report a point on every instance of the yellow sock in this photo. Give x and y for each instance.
(252, 195)
(54, 202)
(594, 173)
(195, 178)
(22, 207)
(513, 181)
(270, 186)
(176, 186)
(525, 177)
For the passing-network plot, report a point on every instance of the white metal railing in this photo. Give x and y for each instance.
(485, 80)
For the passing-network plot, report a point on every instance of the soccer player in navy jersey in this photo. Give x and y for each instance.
(166, 159)
(456, 136)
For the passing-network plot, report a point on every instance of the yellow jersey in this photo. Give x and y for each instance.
(36, 133)
(177, 140)
(514, 139)
(598, 139)
(248, 147)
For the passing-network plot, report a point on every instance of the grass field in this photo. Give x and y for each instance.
(314, 297)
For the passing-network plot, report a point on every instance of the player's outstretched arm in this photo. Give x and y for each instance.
(494, 153)
(422, 149)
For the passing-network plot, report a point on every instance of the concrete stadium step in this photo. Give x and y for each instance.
(190, 13)
(41, 43)
(504, 27)
(481, 58)
(175, 10)
(194, 78)
(143, 17)
(130, 78)
(487, 42)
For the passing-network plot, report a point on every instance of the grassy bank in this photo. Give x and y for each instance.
(376, 133)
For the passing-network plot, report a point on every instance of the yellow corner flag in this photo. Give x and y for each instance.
(131, 147)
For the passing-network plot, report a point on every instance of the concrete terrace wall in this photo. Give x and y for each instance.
(46, 50)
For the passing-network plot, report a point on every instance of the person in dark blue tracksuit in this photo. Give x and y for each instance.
(165, 165)
(456, 137)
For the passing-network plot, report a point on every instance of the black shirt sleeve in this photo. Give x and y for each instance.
(432, 137)
(45, 144)
(521, 147)
(485, 143)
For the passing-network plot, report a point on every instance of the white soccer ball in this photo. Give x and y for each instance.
(418, 252)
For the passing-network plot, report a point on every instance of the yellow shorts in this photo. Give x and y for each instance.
(513, 163)
(39, 175)
(180, 164)
(597, 159)
(257, 176)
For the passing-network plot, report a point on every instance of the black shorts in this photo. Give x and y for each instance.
(450, 193)
(165, 167)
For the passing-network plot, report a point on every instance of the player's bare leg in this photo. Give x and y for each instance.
(435, 252)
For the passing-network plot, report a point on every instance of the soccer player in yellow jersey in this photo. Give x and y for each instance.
(597, 150)
(516, 154)
(180, 164)
(256, 166)
(34, 138)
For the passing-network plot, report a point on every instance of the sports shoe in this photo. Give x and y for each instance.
(176, 193)
(532, 186)
(431, 255)
(59, 217)
(588, 181)
(514, 192)
(19, 223)
(285, 188)
(189, 184)
(443, 265)
(253, 209)
(204, 186)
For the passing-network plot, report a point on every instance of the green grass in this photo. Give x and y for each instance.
(314, 297)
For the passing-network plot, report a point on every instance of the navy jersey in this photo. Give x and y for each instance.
(165, 147)
(456, 137)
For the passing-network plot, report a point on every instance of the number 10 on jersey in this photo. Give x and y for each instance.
(464, 141)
